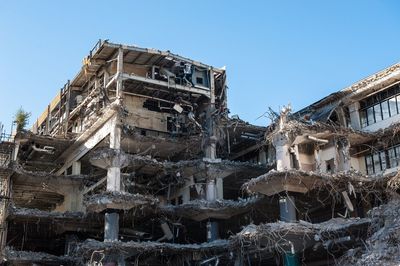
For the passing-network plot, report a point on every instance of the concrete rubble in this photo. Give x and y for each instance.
(136, 161)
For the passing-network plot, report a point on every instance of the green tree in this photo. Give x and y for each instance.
(21, 119)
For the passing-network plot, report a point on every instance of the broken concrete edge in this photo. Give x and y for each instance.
(299, 127)
(274, 232)
(200, 210)
(284, 236)
(19, 169)
(15, 212)
(28, 136)
(131, 159)
(217, 205)
(118, 200)
(16, 256)
(132, 247)
(320, 180)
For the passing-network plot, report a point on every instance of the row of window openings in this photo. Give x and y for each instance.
(380, 111)
(380, 161)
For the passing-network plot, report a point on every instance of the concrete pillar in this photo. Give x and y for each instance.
(343, 155)
(212, 226)
(120, 65)
(186, 194)
(317, 159)
(211, 150)
(73, 198)
(211, 154)
(114, 179)
(287, 209)
(111, 227)
(210, 190)
(212, 231)
(262, 156)
(288, 214)
(282, 149)
(76, 168)
(219, 188)
(111, 221)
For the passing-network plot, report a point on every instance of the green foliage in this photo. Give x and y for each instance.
(21, 119)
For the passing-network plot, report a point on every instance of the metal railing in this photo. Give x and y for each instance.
(96, 47)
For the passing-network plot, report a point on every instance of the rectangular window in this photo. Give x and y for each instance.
(363, 118)
(392, 158)
(377, 163)
(382, 155)
(385, 110)
(393, 106)
(397, 152)
(378, 113)
(398, 103)
(370, 116)
(380, 106)
(369, 164)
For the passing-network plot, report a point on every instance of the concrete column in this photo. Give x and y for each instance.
(219, 188)
(281, 144)
(317, 160)
(211, 154)
(111, 219)
(288, 214)
(212, 231)
(114, 179)
(73, 198)
(120, 65)
(210, 190)
(210, 151)
(111, 227)
(212, 226)
(186, 194)
(76, 168)
(262, 156)
(287, 209)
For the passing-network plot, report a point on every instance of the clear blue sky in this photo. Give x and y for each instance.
(275, 52)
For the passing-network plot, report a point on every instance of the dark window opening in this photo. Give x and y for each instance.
(334, 118)
(330, 165)
(199, 80)
(180, 200)
(157, 106)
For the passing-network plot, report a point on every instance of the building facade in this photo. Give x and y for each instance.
(136, 162)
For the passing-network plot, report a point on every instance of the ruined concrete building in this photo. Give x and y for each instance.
(136, 162)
